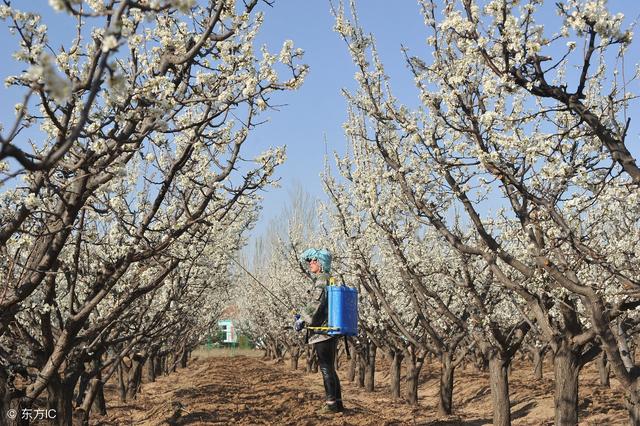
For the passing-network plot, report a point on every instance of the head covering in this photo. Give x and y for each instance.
(322, 255)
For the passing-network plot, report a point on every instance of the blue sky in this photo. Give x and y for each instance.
(316, 111)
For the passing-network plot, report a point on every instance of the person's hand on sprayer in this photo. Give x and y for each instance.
(299, 323)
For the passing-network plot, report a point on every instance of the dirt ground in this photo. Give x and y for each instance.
(245, 390)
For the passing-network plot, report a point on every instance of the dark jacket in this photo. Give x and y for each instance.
(320, 316)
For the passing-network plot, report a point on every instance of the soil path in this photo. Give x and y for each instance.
(245, 390)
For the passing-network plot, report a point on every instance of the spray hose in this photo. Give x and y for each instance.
(286, 305)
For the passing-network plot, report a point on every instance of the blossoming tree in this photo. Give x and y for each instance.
(135, 184)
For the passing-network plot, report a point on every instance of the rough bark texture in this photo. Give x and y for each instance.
(396, 365)
(351, 372)
(603, 369)
(100, 404)
(184, 357)
(311, 355)
(88, 401)
(370, 369)
(362, 365)
(295, 356)
(566, 370)
(414, 365)
(5, 397)
(122, 386)
(538, 361)
(135, 376)
(159, 365)
(445, 404)
(632, 402)
(499, 381)
(60, 398)
(150, 369)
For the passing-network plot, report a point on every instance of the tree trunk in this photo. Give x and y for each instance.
(85, 379)
(94, 397)
(60, 398)
(122, 386)
(480, 362)
(566, 370)
(538, 361)
(603, 369)
(396, 364)
(351, 372)
(150, 366)
(184, 357)
(310, 354)
(413, 373)
(499, 381)
(370, 369)
(135, 375)
(100, 404)
(89, 400)
(632, 402)
(295, 356)
(447, 368)
(159, 365)
(5, 397)
(362, 366)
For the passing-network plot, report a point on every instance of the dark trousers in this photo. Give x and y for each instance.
(326, 352)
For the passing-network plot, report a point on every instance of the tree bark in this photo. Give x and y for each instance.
(85, 379)
(184, 357)
(150, 368)
(632, 402)
(162, 368)
(310, 354)
(89, 399)
(414, 365)
(538, 361)
(122, 386)
(447, 368)
(603, 369)
(135, 375)
(396, 365)
(5, 396)
(60, 398)
(566, 370)
(362, 366)
(351, 372)
(413, 373)
(100, 404)
(295, 356)
(499, 382)
(370, 369)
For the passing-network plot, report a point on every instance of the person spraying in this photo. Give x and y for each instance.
(315, 317)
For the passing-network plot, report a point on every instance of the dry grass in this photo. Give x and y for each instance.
(203, 353)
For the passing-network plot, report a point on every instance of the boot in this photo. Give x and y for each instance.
(330, 409)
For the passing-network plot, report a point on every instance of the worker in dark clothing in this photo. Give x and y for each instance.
(319, 263)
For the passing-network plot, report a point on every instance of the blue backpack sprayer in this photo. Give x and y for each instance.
(343, 311)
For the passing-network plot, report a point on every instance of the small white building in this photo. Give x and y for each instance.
(228, 331)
